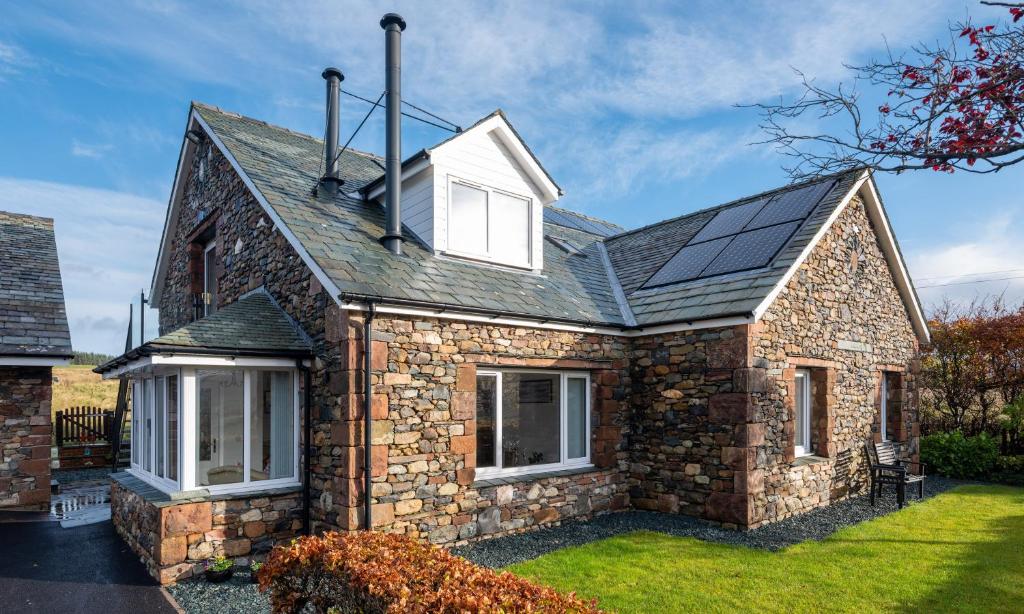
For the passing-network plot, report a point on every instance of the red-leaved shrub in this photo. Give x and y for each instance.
(381, 572)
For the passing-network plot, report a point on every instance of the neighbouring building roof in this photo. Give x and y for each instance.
(594, 272)
(33, 320)
(254, 325)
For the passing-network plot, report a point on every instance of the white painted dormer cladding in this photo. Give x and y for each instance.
(479, 196)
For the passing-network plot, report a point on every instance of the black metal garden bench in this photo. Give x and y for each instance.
(887, 468)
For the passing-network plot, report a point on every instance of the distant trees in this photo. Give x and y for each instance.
(972, 373)
(90, 358)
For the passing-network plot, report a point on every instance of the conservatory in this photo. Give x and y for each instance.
(215, 405)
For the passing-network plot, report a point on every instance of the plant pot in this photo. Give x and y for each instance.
(216, 577)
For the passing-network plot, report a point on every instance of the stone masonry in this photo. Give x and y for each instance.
(25, 436)
(175, 537)
(697, 422)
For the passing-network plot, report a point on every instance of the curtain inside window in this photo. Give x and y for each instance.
(282, 444)
(576, 417)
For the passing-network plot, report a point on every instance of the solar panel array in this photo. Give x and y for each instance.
(743, 237)
(577, 222)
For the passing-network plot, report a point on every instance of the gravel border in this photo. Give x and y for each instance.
(817, 525)
(236, 596)
(239, 596)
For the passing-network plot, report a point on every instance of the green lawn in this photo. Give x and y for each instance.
(960, 551)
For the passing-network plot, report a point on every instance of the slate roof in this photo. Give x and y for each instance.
(33, 320)
(254, 325)
(342, 238)
(638, 254)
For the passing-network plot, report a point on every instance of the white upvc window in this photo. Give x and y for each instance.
(210, 278)
(220, 428)
(489, 224)
(802, 419)
(531, 421)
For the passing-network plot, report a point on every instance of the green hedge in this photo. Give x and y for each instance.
(956, 456)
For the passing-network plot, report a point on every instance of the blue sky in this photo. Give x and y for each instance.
(630, 106)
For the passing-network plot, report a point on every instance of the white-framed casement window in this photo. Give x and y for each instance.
(531, 421)
(489, 224)
(210, 278)
(802, 419)
(223, 429)
(889, 406)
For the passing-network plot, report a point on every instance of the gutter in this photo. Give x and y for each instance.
(171, 350)
(368, 415)
(442, 308)
(307, 448)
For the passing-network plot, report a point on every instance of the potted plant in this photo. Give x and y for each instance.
(219, 569)
(254, 568)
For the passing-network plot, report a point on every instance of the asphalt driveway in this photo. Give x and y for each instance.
(81, 570)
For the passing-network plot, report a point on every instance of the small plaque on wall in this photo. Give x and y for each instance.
(854, 346)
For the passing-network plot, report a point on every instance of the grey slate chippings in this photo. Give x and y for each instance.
(33, 320)
(816, 524)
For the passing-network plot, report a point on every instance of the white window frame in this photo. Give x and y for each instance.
(206, 278)
(188, 405)
(802, 380)
(497, 470)
(883, 418)
(487, 257)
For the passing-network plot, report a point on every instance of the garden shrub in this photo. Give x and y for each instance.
(956, 456)
(385, 573)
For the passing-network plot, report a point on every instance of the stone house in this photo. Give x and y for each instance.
(34, 338)
(516, 365)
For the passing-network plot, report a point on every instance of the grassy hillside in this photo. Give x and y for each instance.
(78, 386)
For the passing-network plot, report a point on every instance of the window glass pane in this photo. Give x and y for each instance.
(510, 228)
(158, 425)
(801, 412)
(136, 442)
(172, 428)
(468, 223)
(219, 427)
(530, 420)
(147, 424)
(892, 406)
(486, 415)
(272, 424)
(210, 278)
(576, 417)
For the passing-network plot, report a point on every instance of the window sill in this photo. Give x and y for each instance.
(500, 480)
(160, 498)
(809, 459)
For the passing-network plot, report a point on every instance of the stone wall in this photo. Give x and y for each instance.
(253, 253)
(693, 448)
(25, 436)
(175, 538)
(424, 436)
(842, 317)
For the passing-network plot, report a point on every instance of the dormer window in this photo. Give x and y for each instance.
(489, 224)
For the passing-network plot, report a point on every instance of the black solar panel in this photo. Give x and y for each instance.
(729, 221)
(792, 205)
(751, 250)
(688, 263)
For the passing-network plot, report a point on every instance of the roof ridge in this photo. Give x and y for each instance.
(736, 201)
(217, 109)
(584, 216)
(41, 218)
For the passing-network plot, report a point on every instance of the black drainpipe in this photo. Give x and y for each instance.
(307, 434)
(368, 415)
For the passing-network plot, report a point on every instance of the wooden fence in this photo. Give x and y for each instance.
(84, 425)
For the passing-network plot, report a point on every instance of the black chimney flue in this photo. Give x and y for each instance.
(331, 179)
(393, 24)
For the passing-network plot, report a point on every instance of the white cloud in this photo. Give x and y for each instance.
(956, 271)
(12, 60)
(107, 245)
(84, 150)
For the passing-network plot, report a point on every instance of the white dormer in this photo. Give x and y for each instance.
(480, 196)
